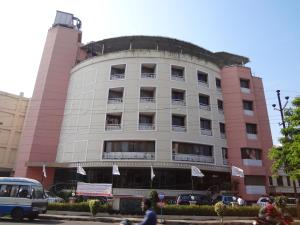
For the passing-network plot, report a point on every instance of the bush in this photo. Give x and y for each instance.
(94, 205)
(153, 196)
(77, 207)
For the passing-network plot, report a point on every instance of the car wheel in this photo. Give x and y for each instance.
(17, 214)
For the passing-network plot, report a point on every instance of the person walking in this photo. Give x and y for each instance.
(150, 215)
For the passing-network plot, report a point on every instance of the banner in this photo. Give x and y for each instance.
(44, 171)
(238, 172)
(115, 170)
(80, 170)
(93, 189)
(152, 173)
(196, 172)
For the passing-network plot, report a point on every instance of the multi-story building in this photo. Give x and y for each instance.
(142, 101)
(12, 115)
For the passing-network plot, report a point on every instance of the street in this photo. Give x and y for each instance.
(54, 222)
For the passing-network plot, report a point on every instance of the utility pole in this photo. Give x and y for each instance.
(281, 110)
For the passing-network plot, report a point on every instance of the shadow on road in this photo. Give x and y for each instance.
(37, 221)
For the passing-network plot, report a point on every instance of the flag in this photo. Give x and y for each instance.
(196, 172)
(238, 172)
(152, 173)
(80, 170)
(44, 171)
(115, 170)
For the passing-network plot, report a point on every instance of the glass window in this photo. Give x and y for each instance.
(251, 153)
(251, 128)
(279, 181)
(225, 153)
(190, 148)
(203, 99)
(248, 105)
(5, 190)
(220, 104)
(202, 77)
(218, 83)
(129, 146)
(178, 120)
(37, 192)
(288, 181)
(24, 191)
(271, 181)
(255, 180)
(205, 124)
(245, 83)
(222, 128)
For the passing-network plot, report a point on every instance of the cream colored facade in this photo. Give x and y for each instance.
(83, 130)
(12, 114)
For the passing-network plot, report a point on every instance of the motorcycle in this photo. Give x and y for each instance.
(284, 220)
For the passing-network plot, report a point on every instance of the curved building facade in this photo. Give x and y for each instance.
(140, 102)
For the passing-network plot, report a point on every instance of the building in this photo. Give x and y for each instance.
(142, 101)
(12, 114)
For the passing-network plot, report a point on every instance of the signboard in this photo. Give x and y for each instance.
(94, 189)
(161, 196)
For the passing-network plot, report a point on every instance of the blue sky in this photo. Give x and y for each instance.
(266, 31)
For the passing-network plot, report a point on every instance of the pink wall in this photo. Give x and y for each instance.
(41, 130)
(235, 121)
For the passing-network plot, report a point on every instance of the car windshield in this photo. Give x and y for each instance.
(37, 192)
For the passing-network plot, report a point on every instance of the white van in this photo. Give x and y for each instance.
(21, 198)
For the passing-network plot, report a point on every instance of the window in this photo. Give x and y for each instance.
(248, 105)
(218, 83)
(146, 121)
(24, 191)
(202, 77)
(288, 180)
(115, 95)
(190, 148)
(251, 153)
(279, 181)
(222, 130)
(204, 102)
(178, 123)
(147, 94)
(205, 126)
(113, 121)
(255, 180)
(251, 128)
(225, 156)
(117, 72)
(220, 105)
(271, 181)
(178, 97)
(148, 70)
(129, 146)
(245, 83)
(177, 73)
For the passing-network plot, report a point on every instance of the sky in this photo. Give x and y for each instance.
(266, 31)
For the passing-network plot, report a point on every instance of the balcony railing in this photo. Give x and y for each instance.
(223, 135)
(129, 155)
(221, 111)
(245, 90)
(202, 83)
(148, 75)
(146, 126)
(117, 76)
(178, 128)
(147, 100)
(193, 158)
(178, 102)
(113, 127)
(252, 136)
(252, 162)
(204, 106)
(207, 132)
(248, 112)
(177, 77)
(114, 100)
(225, 161)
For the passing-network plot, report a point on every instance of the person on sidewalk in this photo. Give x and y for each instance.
(150, 215)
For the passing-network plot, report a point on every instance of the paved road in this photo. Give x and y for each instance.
(52, 222)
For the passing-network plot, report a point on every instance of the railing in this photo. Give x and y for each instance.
(178, 102)
(252, 162)
(148, 75)
(207, 132)
(202, 83)
(113, 127)
(178, 128)
(129, 155)
(117, 76)
(221, 111)
(204, 106)
(177, 77)
(115, 100)
(146, 126)
(252, 136)
(245, 90)
(223, 135)
(248, 112)
(147, 100)
(193, 158)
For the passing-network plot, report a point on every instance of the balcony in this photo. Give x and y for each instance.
(129, 155)
(148, 75)
(252, 136)
(252, 162)
(202, 83)
(248, 112)
(204, 106)
(115, 101)
(178, 128)
(193, 158)
(147, 100)
(178, 102)
(117, 76)
(245, 90)
(146, 126)
(255, 190)
(177, 77)
(111, 127)
(207, 132)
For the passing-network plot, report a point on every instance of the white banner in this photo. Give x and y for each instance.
(44, 171)
(115, 170)
(93, 189)
(152, 173)
(196, 172)
(238, 172)
(80, 170)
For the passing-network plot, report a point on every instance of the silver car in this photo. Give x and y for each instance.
(52, 197)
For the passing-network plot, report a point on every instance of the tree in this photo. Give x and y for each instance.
(287, 156)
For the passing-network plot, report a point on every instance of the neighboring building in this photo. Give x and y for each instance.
(142, 101)
(12, 115)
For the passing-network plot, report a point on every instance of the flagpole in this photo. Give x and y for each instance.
(112, 180)
(192, 185)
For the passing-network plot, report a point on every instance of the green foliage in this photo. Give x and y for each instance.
(280, 202)
(287, 156)
(220, 208)
(153, 195)
(94, 205)
(64, 195)
(77, 207)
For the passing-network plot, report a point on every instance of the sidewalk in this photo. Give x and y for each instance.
(170, 219)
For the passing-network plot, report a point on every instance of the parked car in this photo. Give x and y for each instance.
(199, 199)
(52, 197)
(226, 199)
